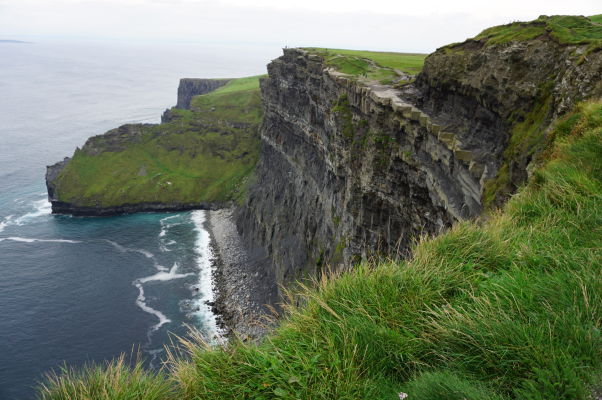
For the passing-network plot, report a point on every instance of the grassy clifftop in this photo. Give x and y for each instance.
(201, 155)
(384, 67)
(565, 29)
(507, 308)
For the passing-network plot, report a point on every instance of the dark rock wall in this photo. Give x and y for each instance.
(344, 173)
(189, 88)
(347, 171)
(480, 92)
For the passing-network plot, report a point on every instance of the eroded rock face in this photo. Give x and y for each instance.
(189, 88)
(484, 92)
(52, 172)
(347, 170)
(351, 168)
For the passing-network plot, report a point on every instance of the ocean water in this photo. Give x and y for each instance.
(80, 290)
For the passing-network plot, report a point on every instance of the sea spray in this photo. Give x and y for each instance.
(205, 262)
(40, 208)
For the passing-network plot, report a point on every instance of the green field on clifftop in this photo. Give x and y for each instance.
(566, 29)
(203, 155)
(383, 67)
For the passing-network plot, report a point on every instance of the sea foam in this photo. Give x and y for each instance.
(34, 240)
(204, 260)
(41, 207)
(165, 276)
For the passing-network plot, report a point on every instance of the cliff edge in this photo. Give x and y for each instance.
(358, 159)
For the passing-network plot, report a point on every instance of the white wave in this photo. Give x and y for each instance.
(141, 302)
(154, 353)
(145, 253)
(165, 275)
(162, 275)
(204, 261)
(165, 226)
(168, 218)
(124, 249)
(6, 222)
(33, 240)
(42, 207)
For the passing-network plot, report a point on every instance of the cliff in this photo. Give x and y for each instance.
(498, 93)
(197, 158)
(188, 88)
(355, 150)
(353, 166)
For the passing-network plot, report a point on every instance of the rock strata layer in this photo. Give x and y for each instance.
(350, 168)
(189, 87)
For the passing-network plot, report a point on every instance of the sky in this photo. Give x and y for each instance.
(396, 25)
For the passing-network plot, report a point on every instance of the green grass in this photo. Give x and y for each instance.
(379, 66)
(506, 308)
(114, 381)
(204, 155)
(565, 29)
(596, 18)
(238, 85)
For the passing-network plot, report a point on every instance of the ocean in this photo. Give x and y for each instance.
(81, 290)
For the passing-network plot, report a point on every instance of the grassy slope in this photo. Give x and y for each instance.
(566, 29)
(506, 308)
(198, 157)
(380, 66)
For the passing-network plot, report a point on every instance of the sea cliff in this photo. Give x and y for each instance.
(396, 179)
(353, 167)
(197, 158)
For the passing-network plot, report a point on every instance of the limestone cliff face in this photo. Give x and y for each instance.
(349, 167)
(189, 88)
(498, 100)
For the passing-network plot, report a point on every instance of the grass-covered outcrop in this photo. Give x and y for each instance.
(202, 155)
(507, 307)
(383, 67)
(565, 29)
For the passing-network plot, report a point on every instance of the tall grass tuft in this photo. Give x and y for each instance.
(116, 380)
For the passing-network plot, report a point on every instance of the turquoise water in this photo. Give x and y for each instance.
(81, 290)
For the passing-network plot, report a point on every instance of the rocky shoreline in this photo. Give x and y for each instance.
(242, 281)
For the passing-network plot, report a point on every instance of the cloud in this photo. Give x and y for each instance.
(375, 24)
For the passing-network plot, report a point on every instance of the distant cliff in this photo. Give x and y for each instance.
(352, 166)
(197, 158)
(189, 88)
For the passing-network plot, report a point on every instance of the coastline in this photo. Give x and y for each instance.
(242, 282)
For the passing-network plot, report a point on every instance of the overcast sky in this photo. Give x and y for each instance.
(413, 26)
